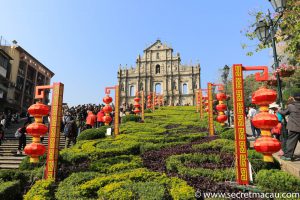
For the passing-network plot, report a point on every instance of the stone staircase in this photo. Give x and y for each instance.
(8, 151)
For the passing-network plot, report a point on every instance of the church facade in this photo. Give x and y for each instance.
(159, 70)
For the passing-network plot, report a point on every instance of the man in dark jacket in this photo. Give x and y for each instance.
(70, 132)
(293, 125)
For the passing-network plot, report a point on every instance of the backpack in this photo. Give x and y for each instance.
(68, 129)
(18, 134)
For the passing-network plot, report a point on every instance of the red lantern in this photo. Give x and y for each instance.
(264, 96)
(107, 109)
(34, 150)
(107, 99)
(107, 119)
(221, 107)
(36, 129)
(221, 96)
(265, 121)
(206, 109)
(221, 118)
(38, 110)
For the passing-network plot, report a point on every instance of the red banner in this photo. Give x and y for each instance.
(210, 110)
(242, 169)
(54, 133)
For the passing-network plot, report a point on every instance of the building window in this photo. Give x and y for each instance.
(157, 69)
(158, 88)
(174, 85)
(184, 88)
(132, 91)
(157, 55)
(20, 83)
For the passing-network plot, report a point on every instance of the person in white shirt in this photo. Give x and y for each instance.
(252, 112)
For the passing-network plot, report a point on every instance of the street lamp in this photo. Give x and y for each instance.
(225, 76)
(265, 31)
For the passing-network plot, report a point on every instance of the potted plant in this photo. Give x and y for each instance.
(272, 81)
(285, 70)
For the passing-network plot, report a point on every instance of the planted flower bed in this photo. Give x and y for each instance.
(169, 156)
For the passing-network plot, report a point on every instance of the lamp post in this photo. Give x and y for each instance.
(265, 31)
(225, 76)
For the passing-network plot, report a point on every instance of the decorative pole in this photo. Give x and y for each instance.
(197, 101)
(153, 101)
(143, 105)
(55, 123)
(107, 99)
(242, 166)
(210, 110)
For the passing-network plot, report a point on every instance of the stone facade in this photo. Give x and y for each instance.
(159, 70)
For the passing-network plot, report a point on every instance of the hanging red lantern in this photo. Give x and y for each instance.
(221, 96)
(206, 109)
(221, 118)
(137, 104)
(107, 99)
(107, 110)
(265, 121)
(36, 130)
(221, 107)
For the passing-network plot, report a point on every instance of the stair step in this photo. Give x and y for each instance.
(12, 157)
(9, 166)
(17, 162)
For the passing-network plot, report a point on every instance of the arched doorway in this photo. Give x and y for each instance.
(132, 91)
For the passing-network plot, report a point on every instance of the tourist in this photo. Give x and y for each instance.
(70, 132)
(276, 131)
(22, 138)
(293, 126)
(100, 116)
(1, 133)
(252, 113)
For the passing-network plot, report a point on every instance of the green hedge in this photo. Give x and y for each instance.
(116, 164)
(10, 190)
(222, 145)
(277, 181)
(134, 118)
(177, 163)
(41, 190)
(67, 188)
(227, 134)
(27, 165)
(91, 134)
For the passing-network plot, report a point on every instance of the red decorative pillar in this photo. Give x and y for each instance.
(36, 130)
(107, 110)
(266, 144)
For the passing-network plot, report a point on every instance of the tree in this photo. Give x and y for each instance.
(287, 36)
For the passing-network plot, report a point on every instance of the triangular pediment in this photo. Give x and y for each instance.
(158, 45)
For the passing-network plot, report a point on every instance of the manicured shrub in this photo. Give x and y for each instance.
(10, 190)
(91, 134)
(179, 164)
(116, 164)
(256, 160)
(67, 189)
(134, 118)
(277, 181)
(26, 165)
(41, 190)
(227, 134)
(223, 145)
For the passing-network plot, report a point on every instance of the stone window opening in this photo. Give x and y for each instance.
(132, 91)
(157, 55)
(157, 69)
(184, 88)
(158, 88)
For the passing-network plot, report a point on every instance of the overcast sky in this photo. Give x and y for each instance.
(84, 41)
